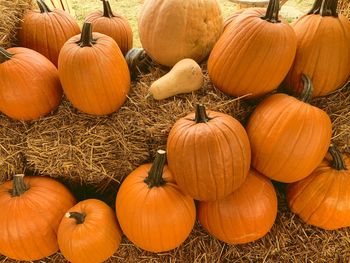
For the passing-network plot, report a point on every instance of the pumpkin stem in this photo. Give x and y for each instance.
(306, 94)
(155, 174)
(107, 10)
(19, 186)
(43, 7)
(79, 217)
(272, 12)
(201, 115)
(338, 161)
(325, 8)
(86, 39)
(4, 55)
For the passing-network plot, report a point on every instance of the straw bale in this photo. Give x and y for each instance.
(344, 7)
(100, 150)
(11, 13)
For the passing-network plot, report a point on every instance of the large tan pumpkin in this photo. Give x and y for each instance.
(171, 30)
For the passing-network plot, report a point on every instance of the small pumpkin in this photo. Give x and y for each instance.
(89, 232)
(31, 210)
(29, 84)
(254, 54)
(152, 211)
(322, 198)
(323, 51)
(244, 216)
(186, 76)
(208, 154)
(94, 73)
(288, 136)
(173, 30)
(46, 31)
(113, 25)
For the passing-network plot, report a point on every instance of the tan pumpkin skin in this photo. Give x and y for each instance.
(47, 32)
(94, 240)
(116, 26)
(288, 138)
(322, 199)
(95, 79)
(155, 219)
(323, 53)
(171, 30)
(29, 85)
(29, 223)
(208, 160)
(245, 215)
(252, 56)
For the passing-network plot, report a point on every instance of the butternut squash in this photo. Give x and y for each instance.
(186, 76)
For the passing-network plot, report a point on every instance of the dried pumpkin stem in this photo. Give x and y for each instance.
(155, 174)
(201, 115)
(107, 10)
(19, 186)
(338, 161)
(86, 39)
(325, 8)
(43, 7)
(272, 12)
(306, 94)
(79, 217)
(4, 55)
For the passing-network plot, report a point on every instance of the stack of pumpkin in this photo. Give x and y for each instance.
(211, 157)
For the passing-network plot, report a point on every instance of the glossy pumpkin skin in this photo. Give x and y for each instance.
(211, 159)
(93, 239)
(171, 30)
(94, 73)
(245, 215)
(288, 137)
(46, 31)
(29, 222)
(154, 218)
(29, 84)
(322, 199)
(253, 55)
(323, 51)
(113, 25)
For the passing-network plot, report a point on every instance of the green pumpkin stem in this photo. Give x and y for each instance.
(201, 115)
(4, 55)
(155, 174)
(19, 186)
(272, 12)
(325, 8)
(338, 161)
(107, 10)
(86, 39)
(306, 94)
(43, 7)
(79, 217)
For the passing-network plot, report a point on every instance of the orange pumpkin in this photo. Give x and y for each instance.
(245, 215)
(46, 31)
(94, 73)
(31, 211)
(173, 30)
(254, 54)
(209, 155)
(29, 84)
(323, 51)
(89, 232)
(288, 136)
(113, 25)
(152, 211)
(322, 199)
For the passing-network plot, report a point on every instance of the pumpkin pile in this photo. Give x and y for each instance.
(217, 164)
